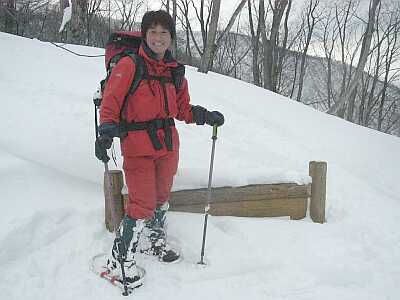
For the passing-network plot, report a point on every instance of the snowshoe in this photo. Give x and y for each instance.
(100, 265)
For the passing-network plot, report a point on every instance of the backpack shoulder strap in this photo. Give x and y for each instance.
(178, 74)
(139, 71)
(137, 77)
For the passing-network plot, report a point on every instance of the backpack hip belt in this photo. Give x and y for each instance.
(151, 127)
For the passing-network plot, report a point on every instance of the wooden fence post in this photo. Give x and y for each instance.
(117, 182)
(317, 170)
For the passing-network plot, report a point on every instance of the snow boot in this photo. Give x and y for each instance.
(125, 248)
(156, 238)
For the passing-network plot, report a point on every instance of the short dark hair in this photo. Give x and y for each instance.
(158, 17)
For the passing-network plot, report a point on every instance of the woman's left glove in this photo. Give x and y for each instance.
(202, 116)
(214, 118)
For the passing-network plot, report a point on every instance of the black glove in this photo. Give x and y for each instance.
(214, 118)
(202, 116)
(101, 145)
(107, 132)
(199, 114)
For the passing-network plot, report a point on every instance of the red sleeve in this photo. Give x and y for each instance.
(116, 89)
(183, 101)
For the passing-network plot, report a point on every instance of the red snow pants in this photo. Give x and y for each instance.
(149, 180)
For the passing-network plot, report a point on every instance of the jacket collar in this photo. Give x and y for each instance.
(149, 54)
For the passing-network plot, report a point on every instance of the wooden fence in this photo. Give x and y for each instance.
(260, 200)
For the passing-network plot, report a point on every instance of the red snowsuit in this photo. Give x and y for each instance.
(148, 172)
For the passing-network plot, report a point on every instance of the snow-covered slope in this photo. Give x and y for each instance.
(51, 194)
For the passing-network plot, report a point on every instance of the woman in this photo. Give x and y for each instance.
(151, 146)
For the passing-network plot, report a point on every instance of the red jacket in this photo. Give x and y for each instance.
(146, 103)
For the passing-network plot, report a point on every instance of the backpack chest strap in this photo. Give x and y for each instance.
(151, 127)
(161, 79)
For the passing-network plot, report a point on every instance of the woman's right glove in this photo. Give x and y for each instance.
(202, 116)
(107, 132)
(101, 145)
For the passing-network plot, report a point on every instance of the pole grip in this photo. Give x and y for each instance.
(214, 133)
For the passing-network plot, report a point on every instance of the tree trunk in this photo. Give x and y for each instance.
(175, 41)
(255, 42)
(271, 46)
(78, 28)
(351, 106)
(363, 99)
(264, 40)
(283, 48)
(212, 33)
(9, 20)
(296, 63)
(329, 81)
(391, 50)
(311, 21)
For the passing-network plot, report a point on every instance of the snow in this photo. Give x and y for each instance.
(52, 201)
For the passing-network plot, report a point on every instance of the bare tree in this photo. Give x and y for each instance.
(174, 14)
(8, 14)
(92, 8)
(257, 31)
(231, 53)
(127, 11)
(329, 36)
(167, 4)
(230, 23)
(202, 18)
(364, 53)
(183, 17)
(210, 46)
(368, 98)
(310, 18)
(255, 43)
(77, 23)
(20, 14)
(392, 54)
(342, 21)
(284, 47)
(271, 45)
(207, 15)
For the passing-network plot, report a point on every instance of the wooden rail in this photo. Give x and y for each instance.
(261, 200)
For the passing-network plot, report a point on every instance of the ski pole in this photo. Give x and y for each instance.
(209, 194)
(119, 241)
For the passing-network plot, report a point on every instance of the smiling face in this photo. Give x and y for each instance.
(158, 39)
